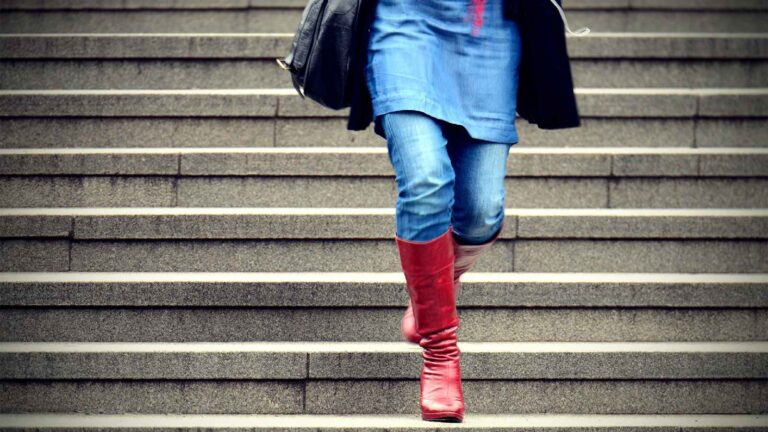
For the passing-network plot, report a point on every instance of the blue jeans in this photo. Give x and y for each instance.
(444, 177)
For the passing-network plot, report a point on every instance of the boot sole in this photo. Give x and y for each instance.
(449, 417)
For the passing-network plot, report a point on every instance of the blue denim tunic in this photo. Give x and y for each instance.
(450, 59)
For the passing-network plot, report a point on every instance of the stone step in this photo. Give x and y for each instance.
(363, 177)
(300, 422)
(193, 240)
(384, 396)
(519, 307)
(195, 132)
(323, 377)
(242, 16)
(382, 323)
(238, 118)
(371, 290)
(616, 162)
(673, 103)
(380, 360)
(379, 192)
(372, 224)
(163, 61)
(268, 46)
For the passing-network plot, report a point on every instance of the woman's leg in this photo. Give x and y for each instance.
(417, 150)
(480, 169)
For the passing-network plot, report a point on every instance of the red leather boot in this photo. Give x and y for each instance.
(465, 258)
(428, 268)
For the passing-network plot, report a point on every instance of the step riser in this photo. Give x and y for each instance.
(373, 162)
(235, 74)
(181, 324)
(348, 294)
(528, 192)
(143, 226)
(350, 397)
(371, 365)
(281, 132)
(287, 20)
(654, 256)
(687, 104)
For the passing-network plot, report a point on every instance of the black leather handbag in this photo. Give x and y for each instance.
(321, 54)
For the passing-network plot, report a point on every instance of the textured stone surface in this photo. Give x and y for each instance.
(642, 227)
(286, 192)
(537, 396)
(327, 227)
(728, 105)
(35, 226)
(308, 132)
(253, 255)
(651, 46)
(372, 362)
(549, 365)
(34, 255)
(156, 365)
(325, 132)
(374, 162)
(630, 73)
(153, 21)
(293, 164)
(674, 21)
(600, 103)
(613, 132)
(193, 397)
(142, 74)
(746, 165)
(380, 192)
(137, 103)
(731, 133)
(184, 224)
(136, 132)
(89, 164)
(687, 18)
(636, 104)
(655, 165)
(269, 45)
(512, 324)
(151, 289)
(264, 73)
(688, 193)
(71, 191)
(641, 256)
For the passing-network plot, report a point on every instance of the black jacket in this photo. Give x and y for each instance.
(545, 88)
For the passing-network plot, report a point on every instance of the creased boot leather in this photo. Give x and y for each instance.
(465, 258)
(428, 268)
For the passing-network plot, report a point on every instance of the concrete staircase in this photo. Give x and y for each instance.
(185, 244)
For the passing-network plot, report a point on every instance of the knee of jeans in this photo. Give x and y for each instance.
(427, 194)
(482, 221)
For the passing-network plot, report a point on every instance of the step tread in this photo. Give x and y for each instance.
(381, 347)
(385, 422)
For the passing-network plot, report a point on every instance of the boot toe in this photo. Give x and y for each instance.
(443, 410)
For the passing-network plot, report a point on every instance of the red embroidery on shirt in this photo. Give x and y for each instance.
(476, 8)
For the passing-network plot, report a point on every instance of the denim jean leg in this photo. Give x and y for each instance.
(480, 169)
(425, 178)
